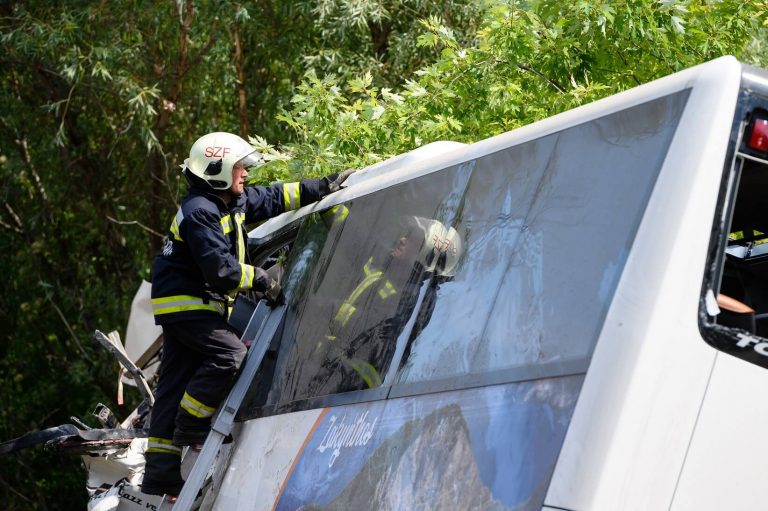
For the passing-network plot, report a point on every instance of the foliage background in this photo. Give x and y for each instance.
(101, 100)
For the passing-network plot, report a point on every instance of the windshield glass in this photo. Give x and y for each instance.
(504, 263)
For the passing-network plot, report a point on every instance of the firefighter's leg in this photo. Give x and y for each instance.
(162, 473)
(222, 353)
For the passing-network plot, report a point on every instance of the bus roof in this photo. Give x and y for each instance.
(439, 155)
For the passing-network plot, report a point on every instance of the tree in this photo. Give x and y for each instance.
(529, 60)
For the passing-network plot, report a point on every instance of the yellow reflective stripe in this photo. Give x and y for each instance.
(155, 439)
(366, 371)
(155, 444)
(369, 270)
(365, 284)
(185, 308)
(176, 223)
(387, 291)
(246, 276)
(291, 196)
(345, 312)
(347, 308)
(239, 218)
(181, 303)
(372, 276)
(164, 450)
(335, 215)
(226, 224)
(195, 407)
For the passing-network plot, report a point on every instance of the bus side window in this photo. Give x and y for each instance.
(738, 322)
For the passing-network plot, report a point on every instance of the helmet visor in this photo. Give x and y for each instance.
(251, 159)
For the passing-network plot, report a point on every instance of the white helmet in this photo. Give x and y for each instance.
(212, 157)
(442, 246)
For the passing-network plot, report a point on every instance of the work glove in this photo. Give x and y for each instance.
(334, 181)
(274, 294)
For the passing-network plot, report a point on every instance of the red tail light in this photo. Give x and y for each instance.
(758, 135)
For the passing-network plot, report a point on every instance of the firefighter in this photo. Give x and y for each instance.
(195, 279)
(366, 319)
(425, 251)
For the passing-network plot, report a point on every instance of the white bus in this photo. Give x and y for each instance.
(589, 330)
(572, 316)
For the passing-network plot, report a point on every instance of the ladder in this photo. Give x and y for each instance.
(261, 329)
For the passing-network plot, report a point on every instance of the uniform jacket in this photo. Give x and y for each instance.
(203, 264)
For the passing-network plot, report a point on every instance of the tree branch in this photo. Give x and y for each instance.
(626, 64)
(23, 146)
(135, 222)
(197, 58)
(10, 227)
(27, 499)
(553, 83)
(19, 226)
(69, 328)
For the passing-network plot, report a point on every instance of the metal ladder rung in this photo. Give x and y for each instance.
(222, 424)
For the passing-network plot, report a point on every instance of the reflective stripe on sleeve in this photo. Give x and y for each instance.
(155, 444)
(182, 303)
(372, 276)
(176, 223)
(345, 312)
(291, 196)
(195, 407)
(335, 215)
(246, 276)
(226, 224)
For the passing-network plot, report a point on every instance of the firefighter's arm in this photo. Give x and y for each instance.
(221, 270)
(268, 201)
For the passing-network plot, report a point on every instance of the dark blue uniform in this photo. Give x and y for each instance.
(194, 282)
(203, 263)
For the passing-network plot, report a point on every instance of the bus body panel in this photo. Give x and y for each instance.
(638, 408)
(266, 450)
(727, 459)
(436, 450)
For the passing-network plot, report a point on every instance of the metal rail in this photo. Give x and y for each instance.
(264, 322)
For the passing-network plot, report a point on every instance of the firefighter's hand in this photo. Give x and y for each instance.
(334, 181)
(274, 294)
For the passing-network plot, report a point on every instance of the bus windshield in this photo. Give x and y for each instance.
(496, 269)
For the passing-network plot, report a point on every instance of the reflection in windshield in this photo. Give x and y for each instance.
(354, 306)
(509, 261)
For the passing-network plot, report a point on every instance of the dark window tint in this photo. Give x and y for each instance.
(354, 282)
(547, 226)
(504, 263)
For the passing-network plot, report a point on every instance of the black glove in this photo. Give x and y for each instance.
(333, 181)
(274, 294)
(267, 288)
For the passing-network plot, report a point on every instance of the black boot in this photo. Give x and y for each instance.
(183, 437)
(162, 474)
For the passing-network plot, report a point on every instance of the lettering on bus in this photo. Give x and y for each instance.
(759, 345)
(345, 435)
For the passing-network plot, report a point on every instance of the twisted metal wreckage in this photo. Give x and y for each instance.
(113, 455)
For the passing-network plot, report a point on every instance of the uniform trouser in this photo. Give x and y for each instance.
(198, 362)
